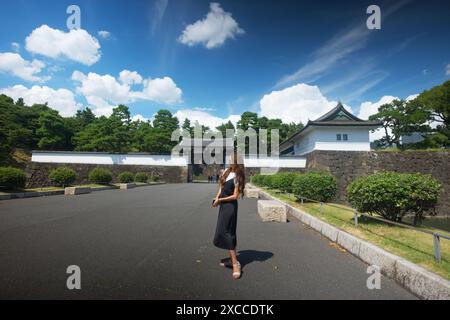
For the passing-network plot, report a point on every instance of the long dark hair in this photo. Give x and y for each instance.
(236, 166)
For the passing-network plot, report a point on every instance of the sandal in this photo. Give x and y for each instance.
(237, 274)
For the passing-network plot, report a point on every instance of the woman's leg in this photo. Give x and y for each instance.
(233, 257)
(236, 265)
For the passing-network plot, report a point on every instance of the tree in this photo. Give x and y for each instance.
(224, 127)
(95, 137)
(436, 102)
(158, 141)
(164, 120)
(20, 102)
(140, 130)
(111, 134)
(120, 122)
(248, 120)
(400, 118)
(52, 133)
(187, 126)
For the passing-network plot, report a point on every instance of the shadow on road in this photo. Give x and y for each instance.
(246, 257)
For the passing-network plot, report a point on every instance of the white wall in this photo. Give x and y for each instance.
(108, 159)
(153, 160)
(266, 162)
(324, 138)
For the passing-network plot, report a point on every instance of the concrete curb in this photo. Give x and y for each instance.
(414, 278)
(33, 194)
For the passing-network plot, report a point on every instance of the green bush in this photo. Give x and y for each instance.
(318, 186)
(257, 180)
(268, 181)
(142, 177)
(100, 176)
(12, 178)
(62, 176)
(154, 178)
(126, 177)
(393, 195)
(283, 181)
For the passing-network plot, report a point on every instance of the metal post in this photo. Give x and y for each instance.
(356, 219)
(437, 247)
(321, 208)
(302, 200)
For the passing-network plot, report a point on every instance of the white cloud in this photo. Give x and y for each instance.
(159, 10)
(205, 118)
(104, 34)
(15, 46)
(369, 108)
(412, 97)
(130, 77)
(77, 45)
(105, 87)
(298, 103)
(447, 70)
(213, 30)
(13, 63)
(103, 92)
(332, 52)
(161, 90)
(140, 117)
(62, 100)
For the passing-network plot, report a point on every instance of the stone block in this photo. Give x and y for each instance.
(272, 211)
(126, 186)
(5, 196)
(72, 191)
(252, 193)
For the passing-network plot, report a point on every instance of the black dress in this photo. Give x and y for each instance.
(225, 237)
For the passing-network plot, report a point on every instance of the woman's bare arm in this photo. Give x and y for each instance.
(234, 197)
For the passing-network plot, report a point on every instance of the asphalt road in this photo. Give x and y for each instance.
(156, 243)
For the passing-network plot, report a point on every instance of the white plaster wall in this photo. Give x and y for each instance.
(109, 159)
(153, 160)
(268, 162)
(325, 139)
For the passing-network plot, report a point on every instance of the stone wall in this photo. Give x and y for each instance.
(347, 166)
(37, 173)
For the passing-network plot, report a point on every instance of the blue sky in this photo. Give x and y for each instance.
(283, 59)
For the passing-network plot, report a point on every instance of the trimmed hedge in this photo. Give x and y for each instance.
(62, 176)
(318, 186)
(12, 178)
(283, 181)
(257, 180)
(100, 176)
(393, 195)
(154, 178)
(268, 181)
(126, 177)
(142, 177)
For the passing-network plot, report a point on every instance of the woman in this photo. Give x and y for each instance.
(232, 184)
